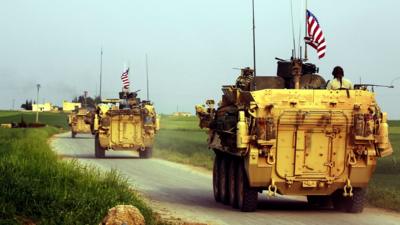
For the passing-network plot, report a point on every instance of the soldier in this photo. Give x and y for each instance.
(245, 78)
(339, 82)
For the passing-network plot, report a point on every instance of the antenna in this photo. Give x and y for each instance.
(254, 44)
(300, 33)
(306, 34)
(147, 78)
(395, 79)
(101, 69)
(294, 38)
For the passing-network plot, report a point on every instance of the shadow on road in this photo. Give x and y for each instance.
(203, 198)
(91, 156)
(76, 137)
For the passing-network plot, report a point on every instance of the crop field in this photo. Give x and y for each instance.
(37, 187)
(50, 118)
(181, 140)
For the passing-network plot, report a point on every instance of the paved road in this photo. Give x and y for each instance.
(183, 192)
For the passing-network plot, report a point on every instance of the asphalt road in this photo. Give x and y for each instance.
(184, 192)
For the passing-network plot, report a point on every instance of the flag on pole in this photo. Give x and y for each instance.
(315, 36)
(125, 79)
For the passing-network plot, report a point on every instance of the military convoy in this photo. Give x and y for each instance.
(126, 123)
(80, 121)
(288, 135)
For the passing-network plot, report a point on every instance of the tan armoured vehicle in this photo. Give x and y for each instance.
(288, 135)
(125, 124)
(80, 121)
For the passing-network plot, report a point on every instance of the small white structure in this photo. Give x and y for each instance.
(184, 114)
(46, 107)
(70, 106)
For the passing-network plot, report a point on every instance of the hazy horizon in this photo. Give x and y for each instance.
(192, 46)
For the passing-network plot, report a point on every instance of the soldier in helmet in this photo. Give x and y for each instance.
(245, 78)
(339, 82)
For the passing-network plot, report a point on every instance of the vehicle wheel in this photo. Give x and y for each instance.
(73, 134)
(100, 152)
(247, 196)
(318, 200)
(217, 162)
(223, 180)
(147, 153)
(356, 202)
(232, 183)
(339, 201)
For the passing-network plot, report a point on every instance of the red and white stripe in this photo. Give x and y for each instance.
(125, 79)
(315, 37)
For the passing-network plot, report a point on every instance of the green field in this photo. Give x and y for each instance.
(37, 186)
(51, 118)
(181, 140)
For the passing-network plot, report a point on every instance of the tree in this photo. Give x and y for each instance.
(89, 102)
(27, 105)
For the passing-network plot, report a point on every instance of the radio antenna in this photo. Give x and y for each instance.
(254, 41)
(293, 35)
(306, 33)
(147, 78)
(101, 69)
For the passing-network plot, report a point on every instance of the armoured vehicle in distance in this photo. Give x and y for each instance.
(80, 121)
(127, 124)
(289, 135)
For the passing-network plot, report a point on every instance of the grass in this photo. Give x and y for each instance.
(181, 140)
(50, 118)
(35, 185)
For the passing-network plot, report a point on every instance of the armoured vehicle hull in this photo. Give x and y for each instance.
(125, 128)
(80, 122)
(323, 144)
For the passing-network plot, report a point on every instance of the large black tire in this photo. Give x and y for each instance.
(99, 151)
(319, 200)
(339, 202)
(247, 196)
(73, 134)
(147, 153)
(217, 162)
(233, 166)
(223, 180)
(356, 203)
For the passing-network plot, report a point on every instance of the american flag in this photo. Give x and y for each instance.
(315, 37)
(125, 79)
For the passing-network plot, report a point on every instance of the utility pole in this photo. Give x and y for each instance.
(37, 103)
(147, 78)
(13, 104)
(101, 69)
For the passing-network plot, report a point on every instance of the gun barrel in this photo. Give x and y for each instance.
(374, 85)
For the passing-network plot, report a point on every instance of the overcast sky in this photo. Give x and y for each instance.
(192, 46)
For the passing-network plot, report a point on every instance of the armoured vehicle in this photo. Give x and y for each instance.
(126, 124)
(289, 135)
(80, 121)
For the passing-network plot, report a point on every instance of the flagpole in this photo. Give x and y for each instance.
(306, 34)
